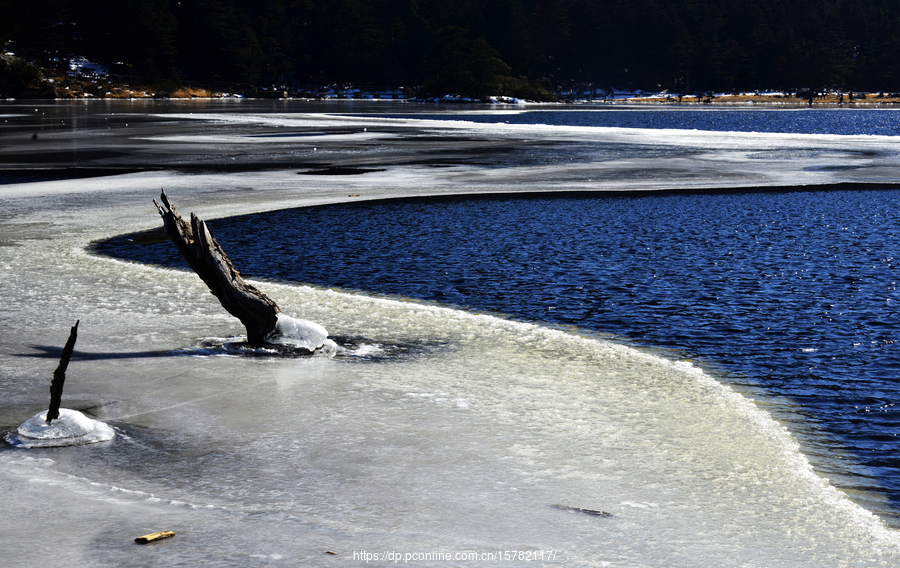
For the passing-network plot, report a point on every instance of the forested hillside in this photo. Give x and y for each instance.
(475, 46)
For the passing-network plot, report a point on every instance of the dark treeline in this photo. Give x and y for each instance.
(476, 46)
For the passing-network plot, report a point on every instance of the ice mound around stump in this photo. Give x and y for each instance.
(301, 334)
(72, 428)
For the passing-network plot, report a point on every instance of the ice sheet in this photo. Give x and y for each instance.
(461, 444)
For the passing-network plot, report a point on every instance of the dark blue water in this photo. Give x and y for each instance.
(794, 293)
(882, 122)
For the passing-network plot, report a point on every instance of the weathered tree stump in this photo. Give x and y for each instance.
(59, 375)
(257, 312)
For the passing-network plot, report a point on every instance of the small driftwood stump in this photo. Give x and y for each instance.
(59, 375)
(202, 252)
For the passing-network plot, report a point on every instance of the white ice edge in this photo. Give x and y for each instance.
(673, 135)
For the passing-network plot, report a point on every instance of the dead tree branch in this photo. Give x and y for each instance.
(59, 375)
(202, 252)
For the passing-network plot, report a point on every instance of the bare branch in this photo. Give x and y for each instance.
(205, 256)
(59, 375)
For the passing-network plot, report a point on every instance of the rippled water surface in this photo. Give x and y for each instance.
(793, 293)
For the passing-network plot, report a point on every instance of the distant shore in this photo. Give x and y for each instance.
(69, 89)
(847, 99)
(22, 80)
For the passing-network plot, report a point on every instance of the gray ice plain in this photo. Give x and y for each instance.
(452, 454)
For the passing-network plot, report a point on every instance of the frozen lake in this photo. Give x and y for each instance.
(439, 436)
